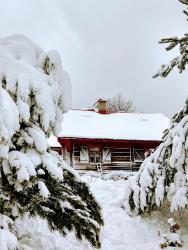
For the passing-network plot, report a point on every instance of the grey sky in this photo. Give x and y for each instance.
(107, 46)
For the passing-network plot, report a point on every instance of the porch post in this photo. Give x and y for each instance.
(132, 158)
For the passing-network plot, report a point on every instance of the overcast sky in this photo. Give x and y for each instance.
(107, 46)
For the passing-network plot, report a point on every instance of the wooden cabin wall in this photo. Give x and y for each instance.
(122, 153)
(121, 158)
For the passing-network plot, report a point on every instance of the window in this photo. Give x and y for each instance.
(76, 153)
(138, 155)
(94, 155)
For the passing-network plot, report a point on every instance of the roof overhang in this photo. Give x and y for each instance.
(69, 141)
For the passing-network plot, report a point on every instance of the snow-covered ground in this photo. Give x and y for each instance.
(120, 232)
(124, 232)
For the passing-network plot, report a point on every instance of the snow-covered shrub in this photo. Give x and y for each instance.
(172, 238)
(34, 94)
(164, 174)
(118, 175)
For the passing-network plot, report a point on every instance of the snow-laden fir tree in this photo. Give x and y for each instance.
(163, 176)
(34, 94)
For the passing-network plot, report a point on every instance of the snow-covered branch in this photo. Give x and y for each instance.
(34, 94)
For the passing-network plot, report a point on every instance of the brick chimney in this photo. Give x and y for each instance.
(101, 105)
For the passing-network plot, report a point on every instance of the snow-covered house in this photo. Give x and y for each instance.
(115, 140)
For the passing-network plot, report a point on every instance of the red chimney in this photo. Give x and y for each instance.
(101, 105)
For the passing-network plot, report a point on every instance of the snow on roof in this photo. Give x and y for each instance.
(122, 126)
(53, 142)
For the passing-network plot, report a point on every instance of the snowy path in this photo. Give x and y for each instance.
(122, 232)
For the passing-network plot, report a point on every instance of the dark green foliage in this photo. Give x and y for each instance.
(81, 213)
(182, 59)
(184, 1)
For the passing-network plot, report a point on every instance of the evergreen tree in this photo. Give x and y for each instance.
(34, 94)
(163, 176)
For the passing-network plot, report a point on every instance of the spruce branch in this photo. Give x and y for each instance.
(183, 1)
(182, 59)
(179, 61)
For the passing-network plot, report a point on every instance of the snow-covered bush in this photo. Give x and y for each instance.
(34, 94)
(172, 238)
(164, 174)
(118, 175)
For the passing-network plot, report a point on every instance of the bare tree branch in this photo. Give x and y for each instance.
(118, 103)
